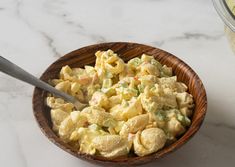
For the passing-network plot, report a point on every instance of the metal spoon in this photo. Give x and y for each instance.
(15, 71)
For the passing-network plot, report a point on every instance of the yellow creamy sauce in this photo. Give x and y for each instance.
(136, 106)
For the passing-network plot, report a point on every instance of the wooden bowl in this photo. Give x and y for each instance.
(85, 56)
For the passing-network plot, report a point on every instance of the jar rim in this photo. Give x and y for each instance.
(225, 13)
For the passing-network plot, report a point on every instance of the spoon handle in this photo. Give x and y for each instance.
(15, 71)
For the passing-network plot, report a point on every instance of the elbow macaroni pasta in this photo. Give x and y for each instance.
(138, 106)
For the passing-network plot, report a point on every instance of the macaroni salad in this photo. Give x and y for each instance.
(135, 107)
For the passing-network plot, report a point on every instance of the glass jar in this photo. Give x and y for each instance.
(226, 10)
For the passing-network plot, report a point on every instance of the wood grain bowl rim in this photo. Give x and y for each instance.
(161, 55)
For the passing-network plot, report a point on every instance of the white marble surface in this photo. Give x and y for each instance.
(34, 33)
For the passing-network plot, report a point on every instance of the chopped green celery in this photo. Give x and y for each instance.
(161, 115)
(133, 91)
(153, 88)
(135, 62)
(185, 121)
(180, 117)
(108, 74)
(107, 83)
(123, 84)
(141, 88)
